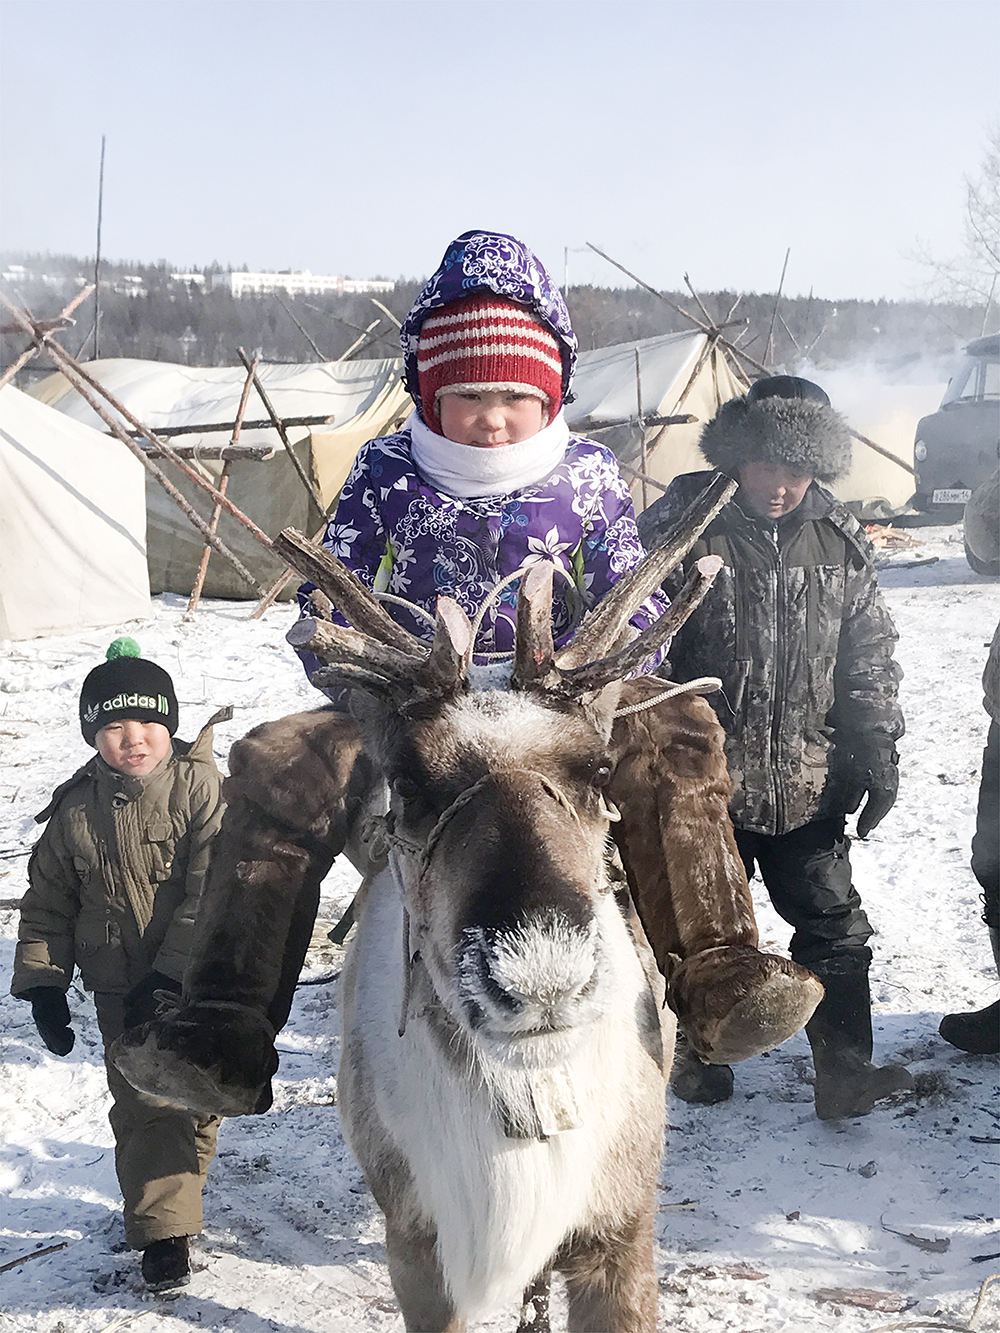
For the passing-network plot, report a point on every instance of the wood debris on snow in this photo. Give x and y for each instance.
(889, 1302)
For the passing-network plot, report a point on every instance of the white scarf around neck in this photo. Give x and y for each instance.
(466, 470)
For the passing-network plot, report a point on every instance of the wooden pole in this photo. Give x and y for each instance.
(66, 360)
(213, 522)
(97, 259)
(80, 385)
(774, 312)
(387, 312)
(301, 330)
(642, 425)
(884, 452)
(701, 303)
(62, 321)
(84, 384)
(640, 476)
(705, 328)
(210, 427)
(358, 341)
(279, 426)
(21, 361)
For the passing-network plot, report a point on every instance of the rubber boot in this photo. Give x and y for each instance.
(692, 1080)
(689, 885)
(977, 1032)
(166, 1263)
(840, 1034)
(291, 796)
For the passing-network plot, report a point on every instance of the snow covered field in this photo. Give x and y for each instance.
(762, 1206)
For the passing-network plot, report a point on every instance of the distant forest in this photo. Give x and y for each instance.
(146, 313)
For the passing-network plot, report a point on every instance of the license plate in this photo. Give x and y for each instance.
(951, 497)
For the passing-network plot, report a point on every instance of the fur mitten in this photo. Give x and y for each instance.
(689, 883)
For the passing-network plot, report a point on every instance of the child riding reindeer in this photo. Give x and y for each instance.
(484, 482)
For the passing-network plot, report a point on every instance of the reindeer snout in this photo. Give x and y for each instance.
(534, 978)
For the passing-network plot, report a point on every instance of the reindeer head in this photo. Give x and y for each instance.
(499, 821)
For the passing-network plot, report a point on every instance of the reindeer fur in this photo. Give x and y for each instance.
(477, 1204)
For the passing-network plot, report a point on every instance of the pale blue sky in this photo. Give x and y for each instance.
(359, 138)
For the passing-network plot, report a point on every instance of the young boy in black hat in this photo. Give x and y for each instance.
(114, 883)
(797, 629)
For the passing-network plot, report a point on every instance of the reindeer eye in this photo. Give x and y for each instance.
(601, 776)
(406, 787)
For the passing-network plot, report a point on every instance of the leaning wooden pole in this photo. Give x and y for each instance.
(279, 426)
(213, 522)
(774, 312)
(65, 360)
(84, 386)
(61, 321)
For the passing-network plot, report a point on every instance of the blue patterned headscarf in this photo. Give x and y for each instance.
(503, 265)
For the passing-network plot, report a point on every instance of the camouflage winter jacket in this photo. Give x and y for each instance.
(797, 630)
(115, 878)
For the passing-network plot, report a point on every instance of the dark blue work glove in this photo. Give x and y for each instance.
(143, 1004)
(51, 1014)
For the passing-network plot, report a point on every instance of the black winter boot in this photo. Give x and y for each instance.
(166, 1263)
(840, 1034)
(696, 1082)
(977, 1032)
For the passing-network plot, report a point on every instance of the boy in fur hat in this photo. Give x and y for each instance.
(796, 627)
(484, 480)
(114, 882)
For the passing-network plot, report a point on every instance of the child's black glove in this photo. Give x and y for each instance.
(51, 1014)
(880, 781)
(142, 1004)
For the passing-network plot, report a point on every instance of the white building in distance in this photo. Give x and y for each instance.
(296, 284)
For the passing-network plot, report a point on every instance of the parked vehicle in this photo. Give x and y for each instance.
(956, 448)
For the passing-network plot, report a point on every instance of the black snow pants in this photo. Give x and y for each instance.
(807, 874)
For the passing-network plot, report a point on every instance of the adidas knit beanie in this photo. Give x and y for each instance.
(126, 686)
(490, 343)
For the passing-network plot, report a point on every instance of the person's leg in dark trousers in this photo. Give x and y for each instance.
(162, 1154)
(979, 1032)
(807, 874)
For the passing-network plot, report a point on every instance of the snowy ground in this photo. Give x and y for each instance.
(763, 1207)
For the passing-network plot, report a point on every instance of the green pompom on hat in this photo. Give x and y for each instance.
(123, 647)
(125, 686)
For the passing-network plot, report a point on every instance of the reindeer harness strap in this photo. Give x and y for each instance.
(703, 685)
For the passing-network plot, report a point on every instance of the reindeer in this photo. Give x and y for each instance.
(505, 1041)
(502, 1074)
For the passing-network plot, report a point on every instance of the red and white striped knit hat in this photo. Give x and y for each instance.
(491, 343)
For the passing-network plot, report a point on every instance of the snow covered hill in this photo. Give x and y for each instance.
(763, 1208)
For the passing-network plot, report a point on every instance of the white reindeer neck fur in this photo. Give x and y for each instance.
(501, 1206)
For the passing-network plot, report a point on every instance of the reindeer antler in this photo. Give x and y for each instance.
(377, 654)
(351, 657)
(346, 591)
(534, 666)
(603, 627)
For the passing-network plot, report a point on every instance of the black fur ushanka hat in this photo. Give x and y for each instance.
(784, 420)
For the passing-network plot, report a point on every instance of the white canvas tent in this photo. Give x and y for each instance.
(680, 374)
(72, 525)
(360, 399)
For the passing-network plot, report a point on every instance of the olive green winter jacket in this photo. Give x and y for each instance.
(115, 878)
(797, 630)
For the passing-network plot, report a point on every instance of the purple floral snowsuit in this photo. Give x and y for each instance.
(401, 535)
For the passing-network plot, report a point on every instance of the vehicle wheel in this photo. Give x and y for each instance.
(988, 567)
